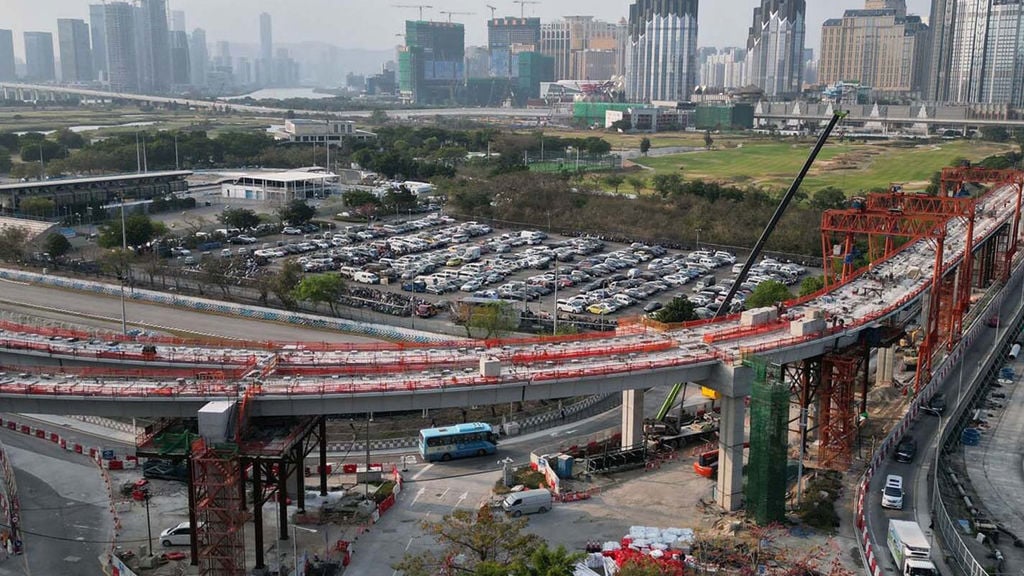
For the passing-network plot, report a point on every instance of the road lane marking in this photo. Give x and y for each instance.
(417, 475)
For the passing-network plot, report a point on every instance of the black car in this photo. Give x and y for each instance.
(906, 450)
(936, 406)
(158, 469)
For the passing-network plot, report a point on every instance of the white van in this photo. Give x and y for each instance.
(179, 535)
(527, 502)
(366, 277)
(892, 493)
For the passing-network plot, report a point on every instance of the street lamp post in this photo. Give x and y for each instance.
(149, 526)
(295, 546)
(124, 268)
(698, 238)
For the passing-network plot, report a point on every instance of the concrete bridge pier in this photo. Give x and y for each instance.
(731, 437)
(632, 417)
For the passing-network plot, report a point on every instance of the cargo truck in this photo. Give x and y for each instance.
(910, 549)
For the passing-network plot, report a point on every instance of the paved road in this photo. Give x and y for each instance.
(64, 509)
(22, 297)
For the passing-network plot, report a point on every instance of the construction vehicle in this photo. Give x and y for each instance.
(910, 549)
(695, 422)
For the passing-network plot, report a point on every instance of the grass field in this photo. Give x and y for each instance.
(850, 167)
(43, 120)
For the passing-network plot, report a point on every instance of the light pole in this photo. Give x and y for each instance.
(295, 546)
(124, 268)
(554, 312)
(698, 238)
(149, 526)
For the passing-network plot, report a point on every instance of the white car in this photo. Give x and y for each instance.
(291, 231)
(179, 535)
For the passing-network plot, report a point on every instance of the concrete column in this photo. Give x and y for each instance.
(731, 437)
(632, 417)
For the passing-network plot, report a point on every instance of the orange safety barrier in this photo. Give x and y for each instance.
(557, 354)
(744, 331)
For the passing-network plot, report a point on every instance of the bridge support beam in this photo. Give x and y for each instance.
(632, 417)
(731, 437)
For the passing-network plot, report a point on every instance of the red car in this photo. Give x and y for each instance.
(993, 322)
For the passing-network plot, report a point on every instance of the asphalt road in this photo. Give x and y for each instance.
(65, 514)
(917, 474)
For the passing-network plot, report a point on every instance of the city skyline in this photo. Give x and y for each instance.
(382, 28)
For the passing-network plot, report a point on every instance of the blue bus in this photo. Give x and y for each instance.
(457, 441)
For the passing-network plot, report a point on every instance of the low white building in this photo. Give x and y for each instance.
(280, 187)
(303, 130)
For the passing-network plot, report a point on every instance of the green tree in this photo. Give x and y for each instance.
(597, 146)
(708, 140)
(68, 139)
(677, 310)
(378, 117)
(296, 212)
(13, 243)
(493, 319)
(241, 218)
(638, 183)
(995, 134)
(51, 150)
(5, 160)
(56, 245)
(828, 198)
(480, 538)
(354, 198)
(767, 294)
(139, 229)
(811, 284)
(667, 184)
(37, 206)
(219, 272)
(399, 200)
(28, 170)
(614, 180)
(317, 288)
(284, 282)
(645, 145)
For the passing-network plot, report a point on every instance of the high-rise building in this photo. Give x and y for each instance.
(265, 65)
(506, 39)
(6, 56)
(431, 65)
(199, 57)
(177, 20)
(581, 47)
(662, 63)
(775, 47)
(75, 53)
(223, 57)
(157, 45)
(977, 52)
(723, 68)
(122, 57)
(181, 73)
(243, 71)
(98, 32)
(39, 64)
(881, 48)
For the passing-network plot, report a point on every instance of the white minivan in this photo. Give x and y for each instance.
(527, 502)
(179, 535)
(892, 494)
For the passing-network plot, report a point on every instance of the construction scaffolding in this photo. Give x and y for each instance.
(838, 419)
(219, 509)
(769, 423)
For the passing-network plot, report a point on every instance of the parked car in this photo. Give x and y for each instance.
(179, 535)
(291, 231)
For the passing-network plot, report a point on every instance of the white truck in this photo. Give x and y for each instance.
(910, 549)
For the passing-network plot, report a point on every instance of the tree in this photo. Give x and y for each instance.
(828, 198)
(139, 230)
(645, 145)
(708, 140)
(378, 117)
(219, 272)
(678, 310)
(5, 160)
(317, 288)
(811, 284)
(995, 134)
(638, 183)
(37, 206)
(667, 184)
(13, 243)
(69, 139)
(241, 218)
(614, 180)
(51, 150)
(56, 245)
(285, 281)
(296, 212)
(479, 538)
(644, 566)
(768, 294)
(356, 198)
(494, 319)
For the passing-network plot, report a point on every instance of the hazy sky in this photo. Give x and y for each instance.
(375, 23)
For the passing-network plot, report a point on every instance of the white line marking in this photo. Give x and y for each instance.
(417, 475)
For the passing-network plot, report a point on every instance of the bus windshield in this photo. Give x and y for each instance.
(457, 441)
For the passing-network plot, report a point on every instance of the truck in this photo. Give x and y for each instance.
(676, 431)
(910, 549)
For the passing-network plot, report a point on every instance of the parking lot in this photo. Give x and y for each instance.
(421, 266)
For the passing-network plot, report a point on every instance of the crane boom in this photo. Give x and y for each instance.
(419, 6)
(522, 6)
(779, 211)
(492, 9)
(450, 14)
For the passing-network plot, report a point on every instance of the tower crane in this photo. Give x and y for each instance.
(492, 9)
(450, 14)
(419, 6)
(522, 6)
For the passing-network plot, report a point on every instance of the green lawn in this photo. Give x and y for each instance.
(850, 167)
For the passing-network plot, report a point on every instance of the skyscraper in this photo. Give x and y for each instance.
(181, 73)
(98, 32)
(122, 58)
(75, 53)
(584, 48)
(900, 6)
(662, 63)
(6, 55)
(775, 47)
(39, 64)
(431, 65)
(199, 57)
(177, 20)
(265, 66)
(506, 39)
(154, 25)
(979, 47)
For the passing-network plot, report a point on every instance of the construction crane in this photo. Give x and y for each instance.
(492, 9)
(522, 6)
(419, 6)
(450, 14)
